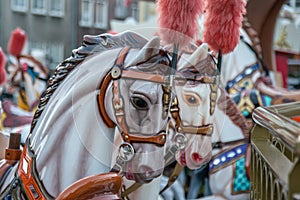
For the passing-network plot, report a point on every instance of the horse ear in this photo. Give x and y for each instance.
(2, 67)
(198, 55)
(150, 49)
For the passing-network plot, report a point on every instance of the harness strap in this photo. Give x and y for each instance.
(213, 98)
(108, 78)
(131, 189)
(101, 98)
(12, 156)
(173, 177)
(31, 184)
(157, 139)
(220, 145)
(227, 157)
(141, 76)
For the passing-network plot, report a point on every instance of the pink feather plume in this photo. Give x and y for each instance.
(222, 22)
(16, 42)
(178, 19)
(2, 67)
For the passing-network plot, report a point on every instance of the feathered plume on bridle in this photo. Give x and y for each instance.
(16, 42)
(178, 20)
(2, 67)
(223, 19)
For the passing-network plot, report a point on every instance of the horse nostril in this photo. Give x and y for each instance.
(147, 171)
(197, 157)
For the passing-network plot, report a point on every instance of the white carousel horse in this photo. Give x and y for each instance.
(60, 124)
(197, 103)
(71, 124)
(231, 134)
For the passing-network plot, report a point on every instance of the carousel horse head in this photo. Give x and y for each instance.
(194, 104)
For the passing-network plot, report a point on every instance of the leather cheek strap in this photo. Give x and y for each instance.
(101, 98)
(159, 140)
(103, 88)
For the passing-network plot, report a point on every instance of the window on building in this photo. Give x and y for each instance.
(39, 7)
(54, 52)
(57, 8)
(19, 5)
(101, 12)
(120, 9)
(87, 13)
(297, 4)
(147, 10)
(135, 11)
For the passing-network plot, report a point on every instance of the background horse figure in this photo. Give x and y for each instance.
(27, 79)
(28, 74)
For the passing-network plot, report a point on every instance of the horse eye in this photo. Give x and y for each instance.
(192, 99)
(139, 103)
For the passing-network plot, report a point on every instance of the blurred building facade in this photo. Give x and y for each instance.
(55, 27)
(47, 23)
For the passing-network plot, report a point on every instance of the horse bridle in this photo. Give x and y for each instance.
(114, 75)
(118, 72)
